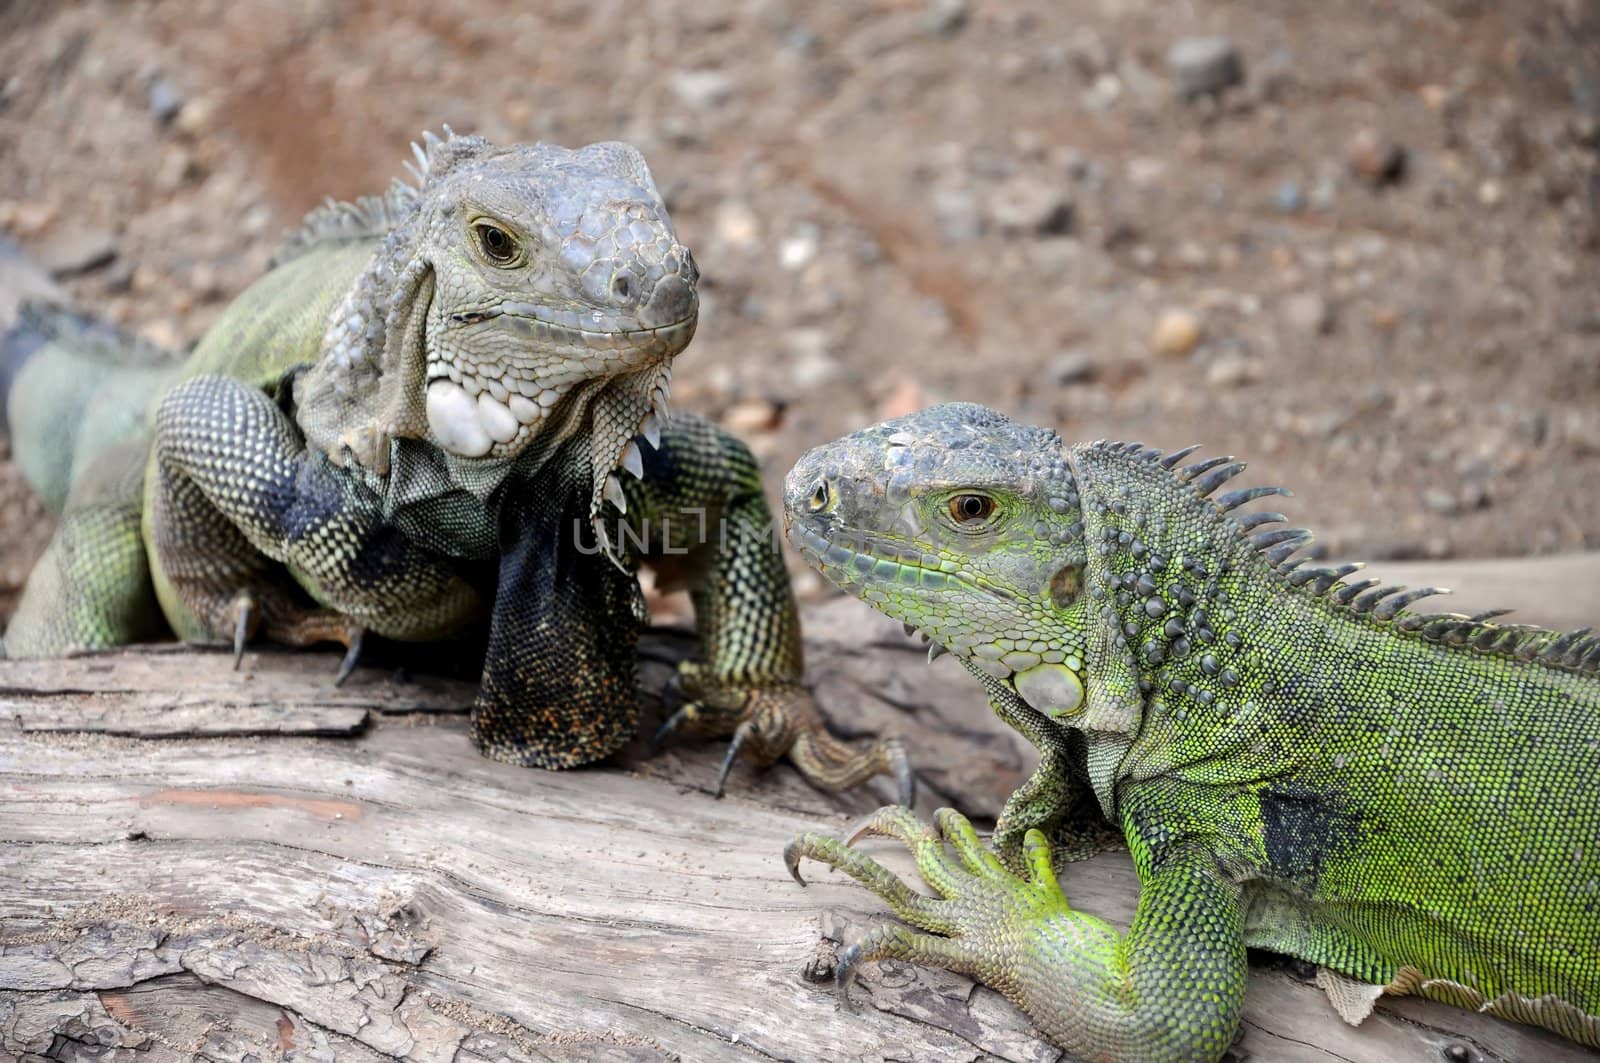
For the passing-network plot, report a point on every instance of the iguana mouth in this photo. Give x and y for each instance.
(868, 562)
(577, 329)
(476, 410)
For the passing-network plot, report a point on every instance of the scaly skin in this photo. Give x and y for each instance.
(1296, 762)
(402, 429)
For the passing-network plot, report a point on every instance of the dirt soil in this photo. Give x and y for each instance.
(1370, 268)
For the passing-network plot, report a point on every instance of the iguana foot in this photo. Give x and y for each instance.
(268, 614)
(311, 626)
(767, 723)
(982, 914)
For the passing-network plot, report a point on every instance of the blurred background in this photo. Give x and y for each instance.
(1355, 242)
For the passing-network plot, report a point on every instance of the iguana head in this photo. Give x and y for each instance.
(552, 269)
(962, 524)
(523, 296)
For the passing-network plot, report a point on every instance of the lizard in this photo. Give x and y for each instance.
(1297, 760)
(442, 410)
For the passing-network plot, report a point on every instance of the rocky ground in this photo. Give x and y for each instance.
(1356, 243)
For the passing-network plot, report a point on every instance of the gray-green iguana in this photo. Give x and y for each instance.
(424, 407)
(1296, 762)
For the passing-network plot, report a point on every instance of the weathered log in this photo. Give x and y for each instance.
(280, 880)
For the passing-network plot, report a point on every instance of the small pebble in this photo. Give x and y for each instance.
(1204, 66)
(955, 211)
(1289, 198)
(1029, 205)
(1307, 313)
(1440, 501)
(1177, 332)
(165, 100)
(1376, 159)
(945, 16)
(701, 89)
(752, 415)
(1232, 370)
(72, 249)
(1073, 367)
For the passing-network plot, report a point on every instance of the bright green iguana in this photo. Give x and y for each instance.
(426, 406)
(1297, 762)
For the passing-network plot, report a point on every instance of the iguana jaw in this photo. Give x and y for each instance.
(496, 408)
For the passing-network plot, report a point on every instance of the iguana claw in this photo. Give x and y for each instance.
(352, 656)
(245, 617)
(772, 722)
(667, 730)
(740, 736)
(844, 972)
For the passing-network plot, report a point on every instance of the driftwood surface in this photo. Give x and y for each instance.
(198, 863)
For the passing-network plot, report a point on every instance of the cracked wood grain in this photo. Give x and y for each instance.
(389, 893)
(168, 692)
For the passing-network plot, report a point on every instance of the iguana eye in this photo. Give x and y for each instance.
(498, 245)
(969, 509)
(819, 497)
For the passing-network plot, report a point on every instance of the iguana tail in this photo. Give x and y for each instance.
(69, 387)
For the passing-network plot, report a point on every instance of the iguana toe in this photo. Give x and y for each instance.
(829, 764)
(768, 723)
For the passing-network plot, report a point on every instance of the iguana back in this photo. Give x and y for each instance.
(1409, 799)
(76, 386)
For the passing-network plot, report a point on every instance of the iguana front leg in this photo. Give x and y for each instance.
(698, 514)
(1171, 989)
(1057, 798)
(249, 532)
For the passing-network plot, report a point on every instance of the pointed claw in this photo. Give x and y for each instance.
(935, 651)
(728, 758)
(843, 974)
(905, 782)
(632, 460)
(352, 655)
(241, 629)
(667, 730)
(861, 828)
(791, 860)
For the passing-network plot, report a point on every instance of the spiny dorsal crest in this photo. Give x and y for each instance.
(371, 217)
(1574, 651)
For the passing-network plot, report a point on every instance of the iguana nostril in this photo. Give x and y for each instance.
(622, 287)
